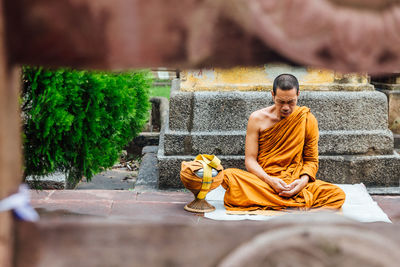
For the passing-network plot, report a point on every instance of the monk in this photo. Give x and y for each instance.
(281, 156)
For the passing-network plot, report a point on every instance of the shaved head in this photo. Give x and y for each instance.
(285, 82)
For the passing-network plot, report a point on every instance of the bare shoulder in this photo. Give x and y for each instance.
(261, 119)
(261, 114)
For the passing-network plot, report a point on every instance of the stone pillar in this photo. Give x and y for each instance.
(209, 110)
(390, 85)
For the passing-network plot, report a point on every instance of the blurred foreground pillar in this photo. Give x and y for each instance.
(10, 144)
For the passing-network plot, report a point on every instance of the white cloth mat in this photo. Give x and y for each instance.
(358, 206)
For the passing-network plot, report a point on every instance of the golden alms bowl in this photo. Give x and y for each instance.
(200, 177)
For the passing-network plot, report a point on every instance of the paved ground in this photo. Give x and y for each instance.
(114, 179)
(121, 204)
(120, 201)
(134, 206)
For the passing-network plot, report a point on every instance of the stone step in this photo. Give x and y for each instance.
(148, 172)
(225, 111)
(379, 170)
(385, 191)
(372, 142)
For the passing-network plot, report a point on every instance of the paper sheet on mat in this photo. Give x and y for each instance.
(358, 206)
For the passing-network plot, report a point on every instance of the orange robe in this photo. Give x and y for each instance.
(287, 150)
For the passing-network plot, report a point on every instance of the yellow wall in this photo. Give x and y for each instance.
(261, 79)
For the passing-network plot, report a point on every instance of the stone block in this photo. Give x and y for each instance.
(382, 170)
(347, 110)
(364, 142)
(228, 111)
(182, 103)
(216, 111)
(233, 142)
(169, 168)
(221, 143)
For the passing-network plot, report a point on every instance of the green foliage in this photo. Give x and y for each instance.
(77, 122)
(163, 91)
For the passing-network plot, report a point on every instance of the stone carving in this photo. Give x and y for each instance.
(315, 246)
(348, 36)
(334, 34)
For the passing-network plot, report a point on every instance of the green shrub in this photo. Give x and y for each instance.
(78, 122)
